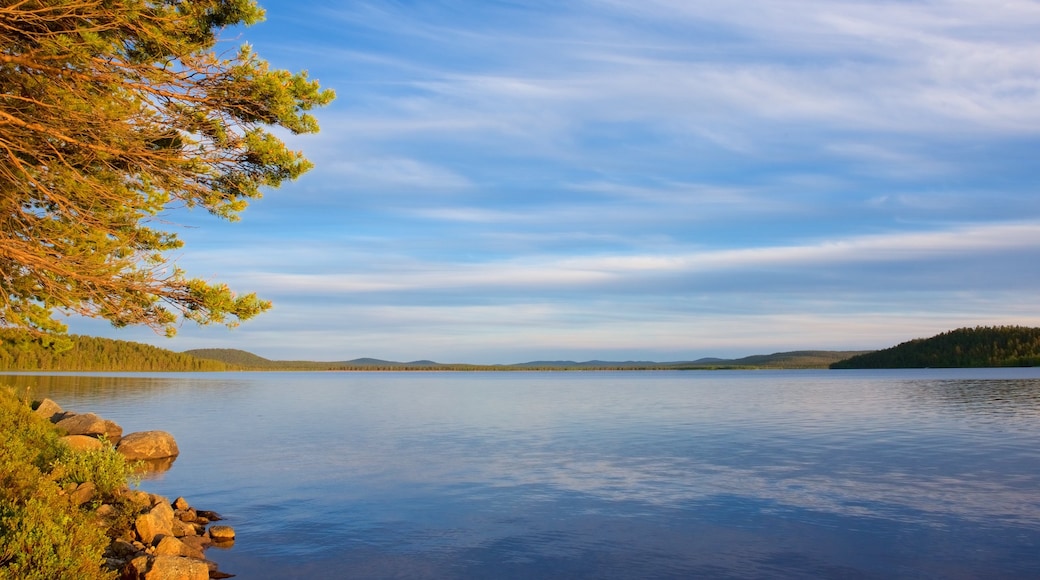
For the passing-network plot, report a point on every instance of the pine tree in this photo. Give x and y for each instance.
(111, 112)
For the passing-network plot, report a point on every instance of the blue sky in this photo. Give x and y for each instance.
(503, 181)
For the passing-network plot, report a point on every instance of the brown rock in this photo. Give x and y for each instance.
(177, 568)
(106, 510)
(210, 516)
(148, 445)
(151, 525)
(162, 508)
(140, 565)
(84, 493)
(122, 549)
(181, 504)
(91, 424)
(170, 546)
(222, 533)
(82, 442)
(182, 529)
(48, 409)
(199, 543)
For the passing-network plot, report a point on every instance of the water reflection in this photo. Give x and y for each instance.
(814, 474)
(978, 399)
(153, 469)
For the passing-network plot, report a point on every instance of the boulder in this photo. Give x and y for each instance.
(199, 543)
(139, 566)
(181, 529)
(222, 533)
(155, 523)
(177, 568)
(48, 409)
(170, 546)
(82, 442)
(148, 445)
(162, 510)
(92, 425)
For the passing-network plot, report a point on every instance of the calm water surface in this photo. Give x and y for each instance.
(728, 474)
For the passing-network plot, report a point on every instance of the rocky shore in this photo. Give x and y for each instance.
(152, 537)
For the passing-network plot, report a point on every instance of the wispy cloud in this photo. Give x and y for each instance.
(605, 177)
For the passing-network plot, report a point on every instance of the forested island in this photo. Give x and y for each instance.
(982, 346)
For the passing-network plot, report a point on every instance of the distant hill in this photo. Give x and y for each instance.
(231, 356)
(805, 359)
(995, 346)
(20, 351)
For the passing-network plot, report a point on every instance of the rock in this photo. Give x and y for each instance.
(155, 523)
(84, 493)
(91, 424)
(122, 549)
(82, 442)
(210, 516)
(170, 546)
(177, 568)
(107, 511)
(161, 506)
(222, 533)
(199, 543)
(182, 529)
(140, 565)
(48, 409)
(181, 504)
(148, 445)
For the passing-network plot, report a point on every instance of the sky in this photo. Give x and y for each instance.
(501, 181)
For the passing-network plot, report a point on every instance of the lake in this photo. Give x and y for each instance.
(711, 474)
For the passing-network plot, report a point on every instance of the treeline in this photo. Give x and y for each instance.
(994, 346)
(20, 351)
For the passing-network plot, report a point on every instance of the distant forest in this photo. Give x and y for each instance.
(20, 351)
(994, 346)
(1003, 346)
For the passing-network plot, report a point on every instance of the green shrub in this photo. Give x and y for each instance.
(105, 467)
(42, 535)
